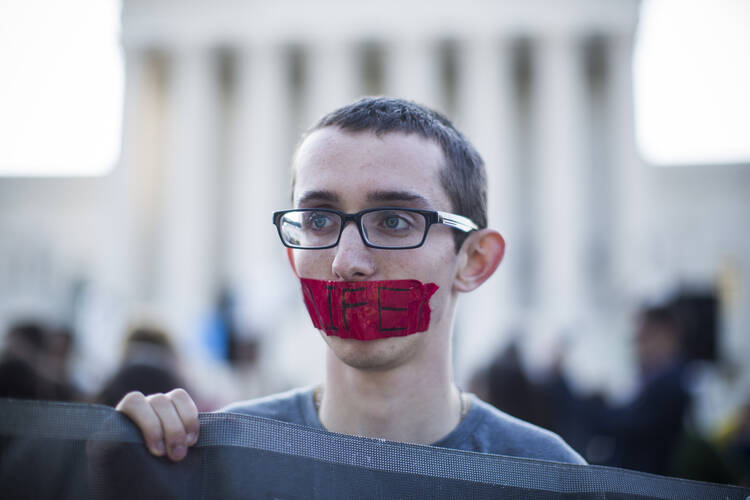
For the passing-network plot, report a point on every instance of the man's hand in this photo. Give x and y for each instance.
(168, 422)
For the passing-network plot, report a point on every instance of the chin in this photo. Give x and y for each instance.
(375, 355)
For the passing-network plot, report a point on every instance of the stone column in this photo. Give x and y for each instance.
(332, 79)
(188, 259)
(629, 173)
(412, 70)
(485, 115)
(258, 184)
(124, 263)
(124, 266)
(560, 105)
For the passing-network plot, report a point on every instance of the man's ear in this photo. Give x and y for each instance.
(290, 256)
(479, 256)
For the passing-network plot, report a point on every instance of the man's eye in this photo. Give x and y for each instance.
(318, 221)
(395, 222)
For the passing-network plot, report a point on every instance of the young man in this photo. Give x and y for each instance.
(389, 226)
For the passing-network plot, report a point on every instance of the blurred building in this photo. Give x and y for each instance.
(217, 96)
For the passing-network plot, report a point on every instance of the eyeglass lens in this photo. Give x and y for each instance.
(386, 228)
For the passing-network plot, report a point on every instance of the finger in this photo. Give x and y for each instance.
(187, 412)
(135, 406)
(175, 436)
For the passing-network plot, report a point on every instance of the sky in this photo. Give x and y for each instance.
(62, 88)
(692, 82)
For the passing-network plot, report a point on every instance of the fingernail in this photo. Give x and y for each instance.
(158, 447)
(178, 451)
(191, 438)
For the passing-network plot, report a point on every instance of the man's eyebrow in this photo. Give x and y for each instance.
(312, 196)
(384, 196)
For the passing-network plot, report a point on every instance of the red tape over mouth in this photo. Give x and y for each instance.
(368, 310)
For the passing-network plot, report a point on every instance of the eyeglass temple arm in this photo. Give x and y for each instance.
(457, 221)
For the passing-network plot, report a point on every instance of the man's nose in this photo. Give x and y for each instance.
(353, 260)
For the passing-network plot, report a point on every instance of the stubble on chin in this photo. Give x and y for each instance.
(373, 355)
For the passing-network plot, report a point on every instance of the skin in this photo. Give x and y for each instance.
(656, 347)
(398, 388)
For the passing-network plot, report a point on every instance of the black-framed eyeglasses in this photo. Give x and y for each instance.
(387, 227)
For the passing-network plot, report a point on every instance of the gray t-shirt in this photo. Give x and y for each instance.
(483, 429)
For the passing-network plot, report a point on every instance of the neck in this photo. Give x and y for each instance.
(414, 402)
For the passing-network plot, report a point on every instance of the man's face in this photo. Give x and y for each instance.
(656, 346)
(355, 171)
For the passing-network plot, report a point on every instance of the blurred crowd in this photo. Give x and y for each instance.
(655, 431)
(35, 359)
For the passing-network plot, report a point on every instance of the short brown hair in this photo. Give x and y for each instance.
(463, 177)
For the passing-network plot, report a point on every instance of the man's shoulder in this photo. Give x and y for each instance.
(489, 430)
(291, 406)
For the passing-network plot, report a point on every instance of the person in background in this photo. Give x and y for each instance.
(149, 365)
(60, 345)
(27, 370)
(643, 434)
